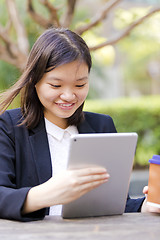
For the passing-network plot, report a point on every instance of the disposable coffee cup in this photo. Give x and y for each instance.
(153, 198)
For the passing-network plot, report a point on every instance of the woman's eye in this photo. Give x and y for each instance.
(81, 85)
(55, 86)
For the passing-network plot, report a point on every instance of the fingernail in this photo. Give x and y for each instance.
(105, 180)
(106, 175)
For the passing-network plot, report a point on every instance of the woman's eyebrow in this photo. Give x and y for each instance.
(58, 79)
(83, 78)
(54, 78)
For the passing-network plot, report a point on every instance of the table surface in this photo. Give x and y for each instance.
(127, 226)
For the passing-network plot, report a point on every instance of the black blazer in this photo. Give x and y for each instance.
(25, 161)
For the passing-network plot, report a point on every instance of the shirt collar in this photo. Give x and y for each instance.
(58, 132)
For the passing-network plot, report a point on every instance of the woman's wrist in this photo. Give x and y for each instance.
(36, 199)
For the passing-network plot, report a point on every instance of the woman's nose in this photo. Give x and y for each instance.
(68, 95)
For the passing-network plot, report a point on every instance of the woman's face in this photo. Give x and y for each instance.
(62, 91)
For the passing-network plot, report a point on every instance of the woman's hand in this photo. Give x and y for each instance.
(147, 208)
(72, 184)
(64, 188)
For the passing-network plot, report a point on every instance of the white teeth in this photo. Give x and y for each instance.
(65, 105)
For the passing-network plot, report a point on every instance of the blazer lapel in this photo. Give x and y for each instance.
(41, 152)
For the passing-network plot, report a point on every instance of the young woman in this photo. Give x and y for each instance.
(34, 139)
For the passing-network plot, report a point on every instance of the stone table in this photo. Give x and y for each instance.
(132, 226)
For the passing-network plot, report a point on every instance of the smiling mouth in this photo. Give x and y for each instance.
(65, 105)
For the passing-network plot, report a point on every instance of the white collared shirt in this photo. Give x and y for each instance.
(58, 139)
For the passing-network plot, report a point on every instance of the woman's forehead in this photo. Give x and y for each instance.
(76, 68)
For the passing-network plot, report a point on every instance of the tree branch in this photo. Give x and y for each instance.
(7, 28)
(36, 17)
(2, 50)
(22, 39)
(53, 12)
(69, 13)
(5, 57)
(101, 15)
(126, 32)
(9, 52)
(45, 23)
(10, 46)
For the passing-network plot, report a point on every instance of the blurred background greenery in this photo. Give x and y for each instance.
(125, 78)
(141, 115)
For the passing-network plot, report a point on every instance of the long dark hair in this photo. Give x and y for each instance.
(53, 48)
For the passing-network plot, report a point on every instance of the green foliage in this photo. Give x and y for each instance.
(8, 75)
(3, 12)
(141, 115)
(140, 48)
(104, 56)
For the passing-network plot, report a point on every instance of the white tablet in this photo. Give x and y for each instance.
(115, 152)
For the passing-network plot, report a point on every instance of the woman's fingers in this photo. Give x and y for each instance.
(88, 175)
(83, 184)
(92, 178)
(91, 185)
(72, 184)
(145, 190)
(85, 188)
(146, 207)
(89, 171)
